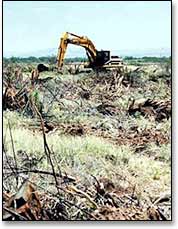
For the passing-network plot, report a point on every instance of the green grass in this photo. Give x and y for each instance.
(89, 155)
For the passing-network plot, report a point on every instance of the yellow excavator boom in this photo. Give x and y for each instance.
(70, 38)
(97, 59)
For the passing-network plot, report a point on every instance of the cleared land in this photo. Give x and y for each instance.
(87, 146)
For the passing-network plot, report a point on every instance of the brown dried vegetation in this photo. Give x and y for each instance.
(113, 96)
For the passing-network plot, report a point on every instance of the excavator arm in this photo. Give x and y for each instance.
(70, 38)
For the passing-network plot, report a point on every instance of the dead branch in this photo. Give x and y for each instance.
(14, 155)
(11, 212)
(64, 176)
(46, 147)
(78, 191)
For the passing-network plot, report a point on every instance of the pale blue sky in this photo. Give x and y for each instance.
(38, 25)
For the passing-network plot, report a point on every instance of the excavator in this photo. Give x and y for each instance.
(97, 59)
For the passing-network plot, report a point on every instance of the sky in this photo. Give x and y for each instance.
(34, 26)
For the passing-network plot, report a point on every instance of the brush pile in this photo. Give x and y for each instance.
(118, 107)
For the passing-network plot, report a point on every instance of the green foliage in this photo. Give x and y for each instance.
(52, 60)
(75, 59)
(44, 59)
(147, 59)
(36, 96)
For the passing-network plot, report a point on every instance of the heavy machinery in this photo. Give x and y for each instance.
(97, 59)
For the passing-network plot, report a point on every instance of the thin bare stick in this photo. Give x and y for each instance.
(64, 176)
(84, 194)
(14, 155)
(14, 213)
(11, 168)
(59, 169)
(5, 153)
(46, 147)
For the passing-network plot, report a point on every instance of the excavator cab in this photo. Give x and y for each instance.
(102, 57)
(105, 60)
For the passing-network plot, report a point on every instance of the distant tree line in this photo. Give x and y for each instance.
(148, 59)
(44, 59)
(52, 59)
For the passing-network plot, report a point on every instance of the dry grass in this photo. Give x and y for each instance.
(96, 152)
